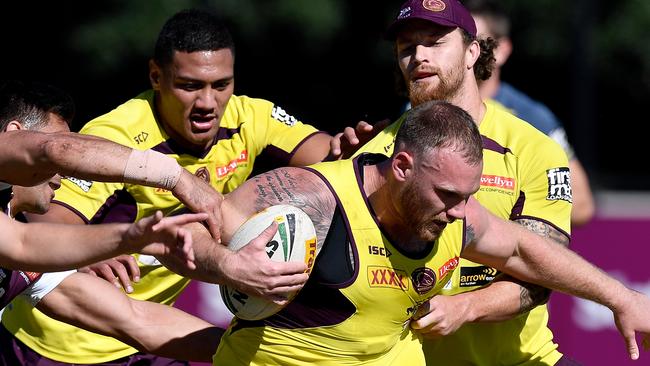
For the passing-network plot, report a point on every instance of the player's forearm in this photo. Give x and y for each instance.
(208, 257)
(552, 266)
(172, 333)
(55, 247)
(503, 299)
(86, 157)
(96, 305)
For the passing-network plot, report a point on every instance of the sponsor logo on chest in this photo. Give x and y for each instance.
(229, 169)
(387, 277)
(476, 276)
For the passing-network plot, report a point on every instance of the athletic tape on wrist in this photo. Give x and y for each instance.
(152, 168)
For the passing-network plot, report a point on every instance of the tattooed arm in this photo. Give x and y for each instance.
(504, 298)
(250, 269)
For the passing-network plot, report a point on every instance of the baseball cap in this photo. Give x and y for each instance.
(449, 13)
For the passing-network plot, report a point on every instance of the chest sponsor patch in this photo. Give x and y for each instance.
(449, 266)
(559, 184)
(387, 277)
(476, 276)
(228, 169)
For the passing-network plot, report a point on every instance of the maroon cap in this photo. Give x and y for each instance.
(449, 13)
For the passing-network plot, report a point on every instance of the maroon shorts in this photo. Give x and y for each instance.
(15, 353)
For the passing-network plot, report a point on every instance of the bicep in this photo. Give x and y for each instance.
(490, 240)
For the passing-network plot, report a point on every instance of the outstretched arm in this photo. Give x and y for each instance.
(96, 305)
(529, 257)
(30, 157)
(45, 247)
(249, 269)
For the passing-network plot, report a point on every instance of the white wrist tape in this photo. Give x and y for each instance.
(151, 168)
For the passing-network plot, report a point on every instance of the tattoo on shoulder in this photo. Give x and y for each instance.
(300, 188)
(545, 230)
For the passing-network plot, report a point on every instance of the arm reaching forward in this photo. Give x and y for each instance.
(529, 257)
(45, 247)
(28, 158)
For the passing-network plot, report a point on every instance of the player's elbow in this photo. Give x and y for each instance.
(582, 213)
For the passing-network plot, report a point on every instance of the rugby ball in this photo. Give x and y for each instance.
(295, 240)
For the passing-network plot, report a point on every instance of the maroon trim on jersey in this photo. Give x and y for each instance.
(293, 152)
(492, 145)
(353, 243)
(270, 157)
(119, 207)
(170, 146)
(225, 134)
(518, 208)
(524, 217)
(74, 210)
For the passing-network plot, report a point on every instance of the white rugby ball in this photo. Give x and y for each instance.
(294, 241)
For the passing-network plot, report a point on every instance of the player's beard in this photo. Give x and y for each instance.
(419, 220)
(448, 87)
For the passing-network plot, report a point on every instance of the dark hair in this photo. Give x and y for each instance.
(30, 102)
(191, 30)
(437, 124)
(484, 65)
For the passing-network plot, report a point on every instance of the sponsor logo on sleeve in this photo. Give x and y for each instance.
(476, 276)
(281, 115)
(83, 184)
(387, 277)
(559, 184)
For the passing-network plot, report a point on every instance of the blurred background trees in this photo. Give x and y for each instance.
(325, 62)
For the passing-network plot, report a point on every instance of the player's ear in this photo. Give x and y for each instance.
(402, 165)
(13, 126)
(154, 74)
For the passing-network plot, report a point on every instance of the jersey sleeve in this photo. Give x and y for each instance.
(546, 185)
(278, 133)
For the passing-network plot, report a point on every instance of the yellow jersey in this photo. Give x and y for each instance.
(525, 176)
(250, 128)
(362, 317)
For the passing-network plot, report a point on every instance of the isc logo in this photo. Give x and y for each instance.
(377, 250)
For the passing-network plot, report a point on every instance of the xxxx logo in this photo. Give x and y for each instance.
(387, 277)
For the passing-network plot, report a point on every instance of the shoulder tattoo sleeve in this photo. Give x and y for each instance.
(300, 188)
